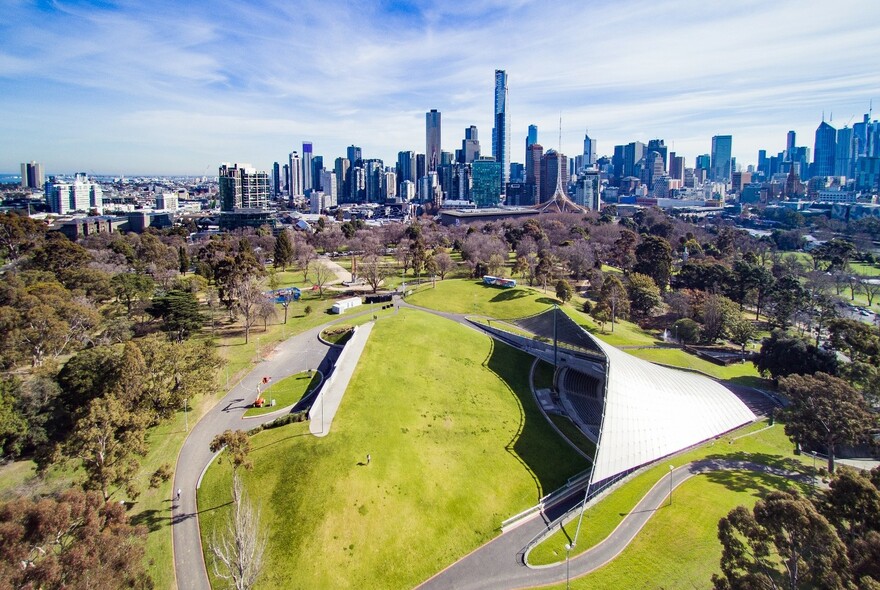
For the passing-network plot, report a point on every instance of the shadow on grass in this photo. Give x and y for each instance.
(280, 440)
(752, 381)
(548, 458)
(153, 520)
(754, 482)
(509, 295)
(548, 301)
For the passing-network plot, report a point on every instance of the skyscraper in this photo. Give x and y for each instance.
(590, 155)
(295, 181)
(845, 155)
(307, 166)
(554, 170)
(432, 139)
(789, 145)
(533, 166)
(276, 179)
(343, 179)
(317, 169)
(243, 187)
(486, 189)
(722, 150)
(354, 156)
(825, 150)
(501, 131)
(31, 175)
(470, 145)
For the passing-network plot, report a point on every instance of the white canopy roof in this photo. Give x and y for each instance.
(652, 411)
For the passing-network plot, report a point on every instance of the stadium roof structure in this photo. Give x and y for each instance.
(648, 411)
(652, 411)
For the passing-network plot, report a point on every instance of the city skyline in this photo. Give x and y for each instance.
(174, 89)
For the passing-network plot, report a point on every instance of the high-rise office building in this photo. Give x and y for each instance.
(295, 180)
(532, 136)
(722, 151)
(420, 169)
(432, 139)
(517, 172)
(632, 153)
(501, 131)
(531, 139)
(329, 186)
(825, 150)
(307, 183)
(789, 145)
(406, 167)
(373, 177)
(470, 145)
(676, 166)
(590, 154)
(554, 170)
(243, 187)
(285, 178)
(355, 158)
(341, 169)
(317, 169)
(586, 192)
(32, 175)
(844, 158)
(659, 146)
(533, 166)
(80, 195)
(276, 179)
(486, 188)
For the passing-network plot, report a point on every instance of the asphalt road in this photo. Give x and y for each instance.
(296, 354)
(499, 565)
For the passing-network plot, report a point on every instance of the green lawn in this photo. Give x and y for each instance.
(457, 446)
(287, 392)
(471, 296)
(679, 358)
(679, 546)
(763, 445)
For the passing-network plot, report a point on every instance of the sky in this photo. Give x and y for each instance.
(165, 87)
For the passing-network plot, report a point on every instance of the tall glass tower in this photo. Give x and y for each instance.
(501, 131)
(432, 139)
(722, 149)
(307, 166)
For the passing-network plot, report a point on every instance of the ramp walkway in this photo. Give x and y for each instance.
(328, 399)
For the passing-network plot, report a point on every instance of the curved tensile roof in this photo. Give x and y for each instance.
(652, 411)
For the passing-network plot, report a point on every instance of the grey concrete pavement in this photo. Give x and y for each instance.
(499, 564)
(328, 400)
(299, 353)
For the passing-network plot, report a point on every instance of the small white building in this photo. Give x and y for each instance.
(344, 304)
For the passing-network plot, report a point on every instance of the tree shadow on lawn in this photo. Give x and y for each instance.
(508, 295)
(548, 458)
(752, 381)
(548, 301)
(772, 466)
(152, 519)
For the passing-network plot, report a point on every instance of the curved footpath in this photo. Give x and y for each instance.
(298, 353)
(499, 563)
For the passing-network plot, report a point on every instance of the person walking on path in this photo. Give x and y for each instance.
(178, 494)
(369, 458)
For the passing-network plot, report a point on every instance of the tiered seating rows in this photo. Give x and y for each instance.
(581, 384)
(588, 410)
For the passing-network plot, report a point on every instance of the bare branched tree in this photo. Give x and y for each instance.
(238, 550)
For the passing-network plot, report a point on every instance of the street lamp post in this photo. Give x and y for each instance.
(671, 467)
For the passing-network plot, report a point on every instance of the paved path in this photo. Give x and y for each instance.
(296, 354)
(328, 400)
(499, 564)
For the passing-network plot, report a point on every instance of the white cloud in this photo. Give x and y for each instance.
(224, 80)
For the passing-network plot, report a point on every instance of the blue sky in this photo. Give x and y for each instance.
(178, 87)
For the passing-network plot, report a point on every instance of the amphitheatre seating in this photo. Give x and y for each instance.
(584, 395)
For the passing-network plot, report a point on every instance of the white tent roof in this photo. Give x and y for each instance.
(653, 411)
